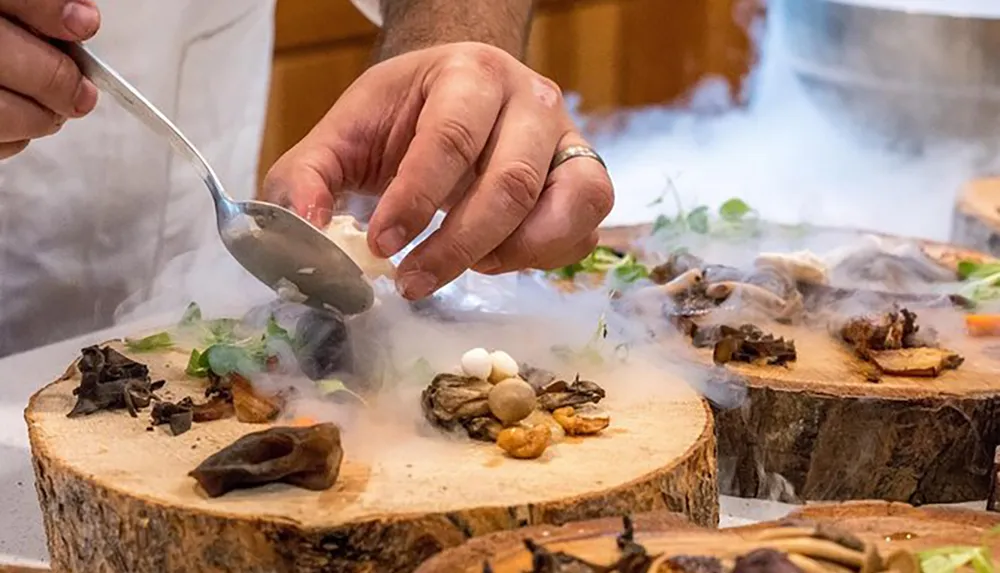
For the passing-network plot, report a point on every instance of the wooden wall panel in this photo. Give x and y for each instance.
(614, 53)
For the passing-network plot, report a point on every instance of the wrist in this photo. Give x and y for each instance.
(410, 25)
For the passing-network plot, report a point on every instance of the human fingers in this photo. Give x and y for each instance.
(575, 254)
(461, 108)
(497, 203)
(577, 197)
(25, 119)
(8, 150)
(35, 69)
(305, 180)
(71, 20)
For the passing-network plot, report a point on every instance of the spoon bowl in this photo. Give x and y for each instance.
(279, 248)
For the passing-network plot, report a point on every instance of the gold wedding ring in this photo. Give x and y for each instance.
(576, 151)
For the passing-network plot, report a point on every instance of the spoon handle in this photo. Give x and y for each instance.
(109, 81)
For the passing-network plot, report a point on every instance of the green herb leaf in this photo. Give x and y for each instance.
(734, 209)
(158, 341)
(225, 359)
(192, 315)
(970, 270)
(197, 365)
(697, 220)
(276, 331)
(333, 386)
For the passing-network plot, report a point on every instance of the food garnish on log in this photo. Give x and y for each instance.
(790, 546)
(231, 355)
(306, 457)
(522, 408)
(893, 342)
(111, 381)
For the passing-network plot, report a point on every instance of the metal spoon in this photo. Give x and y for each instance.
(272, 243)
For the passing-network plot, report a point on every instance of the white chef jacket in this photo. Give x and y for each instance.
(91, 216)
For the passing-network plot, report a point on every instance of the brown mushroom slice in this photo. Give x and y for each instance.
(765, 560)
(560, 394)
(918, 362)
(585, 419)
(809, 565)
(525, 443)
(753, 294)
(902, 561)
(819, 549)
(303, 457)
(216, 408)
(801, 266)
(682, 283)
(252, 406)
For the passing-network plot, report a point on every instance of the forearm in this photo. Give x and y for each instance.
(409, 25)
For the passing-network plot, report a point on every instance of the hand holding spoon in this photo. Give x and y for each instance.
(272, 243)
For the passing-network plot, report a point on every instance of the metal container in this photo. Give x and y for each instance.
(911, 71)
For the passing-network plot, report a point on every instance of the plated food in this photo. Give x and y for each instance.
(292, 439)
(865, 362)
(865, 537)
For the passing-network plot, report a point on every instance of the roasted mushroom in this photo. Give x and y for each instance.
(894, 343)
(450, 400)
(560, 394)
(747, 343)
(303, 457)
(253, 406)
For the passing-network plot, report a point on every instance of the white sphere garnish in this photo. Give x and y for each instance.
(503, 366)
(477, 363)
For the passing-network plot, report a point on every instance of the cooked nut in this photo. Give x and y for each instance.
(542, 417)
(504, 366)
(511, 400)
(477, 363)
(524, 444)
(586, 419)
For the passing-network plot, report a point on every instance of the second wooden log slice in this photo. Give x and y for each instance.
(887, 527)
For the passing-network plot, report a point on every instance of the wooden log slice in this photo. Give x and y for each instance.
(819, 429)
(117, 498)
(976, 218)
(888, 526)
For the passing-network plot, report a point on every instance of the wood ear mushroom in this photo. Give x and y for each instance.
(303, 457)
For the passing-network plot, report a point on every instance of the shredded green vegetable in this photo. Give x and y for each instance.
(981, 281)
(950, 559)
(158, 341)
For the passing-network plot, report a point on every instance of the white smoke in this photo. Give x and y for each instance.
(791, 159)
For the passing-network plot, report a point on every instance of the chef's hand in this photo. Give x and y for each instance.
(40, 87)
(461, 127)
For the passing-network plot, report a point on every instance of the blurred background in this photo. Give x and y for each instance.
(861, 113)
(613, 53)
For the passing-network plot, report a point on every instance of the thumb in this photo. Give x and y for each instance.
(306, 180)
